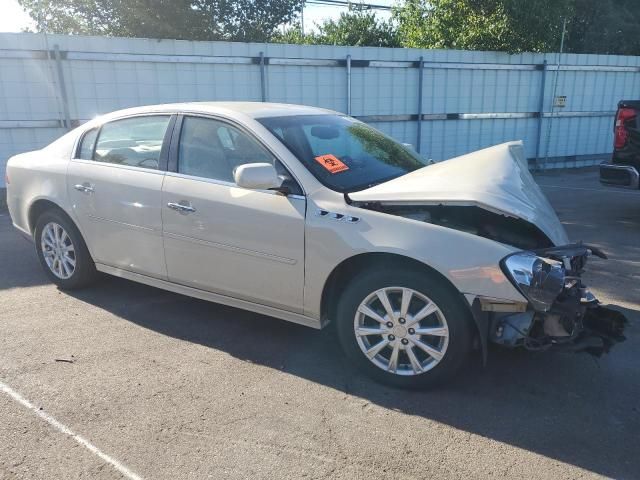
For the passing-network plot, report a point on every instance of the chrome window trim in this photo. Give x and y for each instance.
(224, 183)
(155, 171)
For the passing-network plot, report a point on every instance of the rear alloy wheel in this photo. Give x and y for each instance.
(62, 251)
(405, 327)
(58, 250)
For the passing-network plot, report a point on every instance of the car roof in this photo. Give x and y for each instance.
(250, 109)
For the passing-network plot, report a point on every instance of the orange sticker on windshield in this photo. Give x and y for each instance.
(331, 163)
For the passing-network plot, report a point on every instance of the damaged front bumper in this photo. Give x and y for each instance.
(562, 314)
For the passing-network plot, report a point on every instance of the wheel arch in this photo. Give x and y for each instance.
(40, 206)
(351, 266)
(84, 273)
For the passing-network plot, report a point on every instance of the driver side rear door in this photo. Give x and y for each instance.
(115, 188)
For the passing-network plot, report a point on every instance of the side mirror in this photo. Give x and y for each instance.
(257, 176)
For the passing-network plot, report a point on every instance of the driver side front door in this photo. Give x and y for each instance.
(247, 244)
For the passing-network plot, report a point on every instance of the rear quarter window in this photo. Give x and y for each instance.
(87, 144)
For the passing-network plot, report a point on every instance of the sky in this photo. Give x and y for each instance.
(14, 19)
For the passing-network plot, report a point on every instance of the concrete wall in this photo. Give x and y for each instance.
(470, 100)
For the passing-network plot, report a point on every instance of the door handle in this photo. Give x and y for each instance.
(179, 207)
(84, 187)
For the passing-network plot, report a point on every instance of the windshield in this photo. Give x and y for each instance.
(342, 153)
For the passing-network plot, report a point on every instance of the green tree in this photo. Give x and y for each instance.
(507, 25)
(359, 28)
(295, 36)
(604, 26)
(593, 26)
(355, 28)
(239, 20)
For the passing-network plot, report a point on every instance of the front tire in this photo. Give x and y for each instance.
(404, 327)
(62, 252)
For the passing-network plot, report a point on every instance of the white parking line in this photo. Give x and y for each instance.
(601, 190)
(67, 431)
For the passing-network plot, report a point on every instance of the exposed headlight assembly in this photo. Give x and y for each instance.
(539, 279)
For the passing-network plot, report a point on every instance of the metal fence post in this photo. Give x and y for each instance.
(263, 79)
(348, 84)
(554, 91)
(543, 83)
(420, 79)
(63, 88)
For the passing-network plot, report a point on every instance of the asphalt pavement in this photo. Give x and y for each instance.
(127, 381)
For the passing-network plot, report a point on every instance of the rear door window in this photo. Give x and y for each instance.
(135, 142)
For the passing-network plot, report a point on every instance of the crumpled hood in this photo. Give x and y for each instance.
(496, 179)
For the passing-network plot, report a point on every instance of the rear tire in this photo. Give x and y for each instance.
(62, 251)
(426, 330)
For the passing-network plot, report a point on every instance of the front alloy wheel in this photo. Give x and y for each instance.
(401, 331)
(404, 326)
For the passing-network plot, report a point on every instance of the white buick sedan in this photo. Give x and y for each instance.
(311, 216)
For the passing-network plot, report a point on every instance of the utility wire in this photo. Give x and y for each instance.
(343, 3)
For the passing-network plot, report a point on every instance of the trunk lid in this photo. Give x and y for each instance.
(496, 179)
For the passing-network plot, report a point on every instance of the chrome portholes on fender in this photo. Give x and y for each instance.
(340, 217)
(58, 250)
(401, 331)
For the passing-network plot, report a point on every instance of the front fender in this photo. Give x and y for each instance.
(469, 262)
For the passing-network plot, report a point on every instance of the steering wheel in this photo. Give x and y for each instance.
(148, 162)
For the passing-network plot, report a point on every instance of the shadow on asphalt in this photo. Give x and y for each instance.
(18, 258)
(573, 408)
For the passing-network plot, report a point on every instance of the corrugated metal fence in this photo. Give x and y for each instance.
(445, 102)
